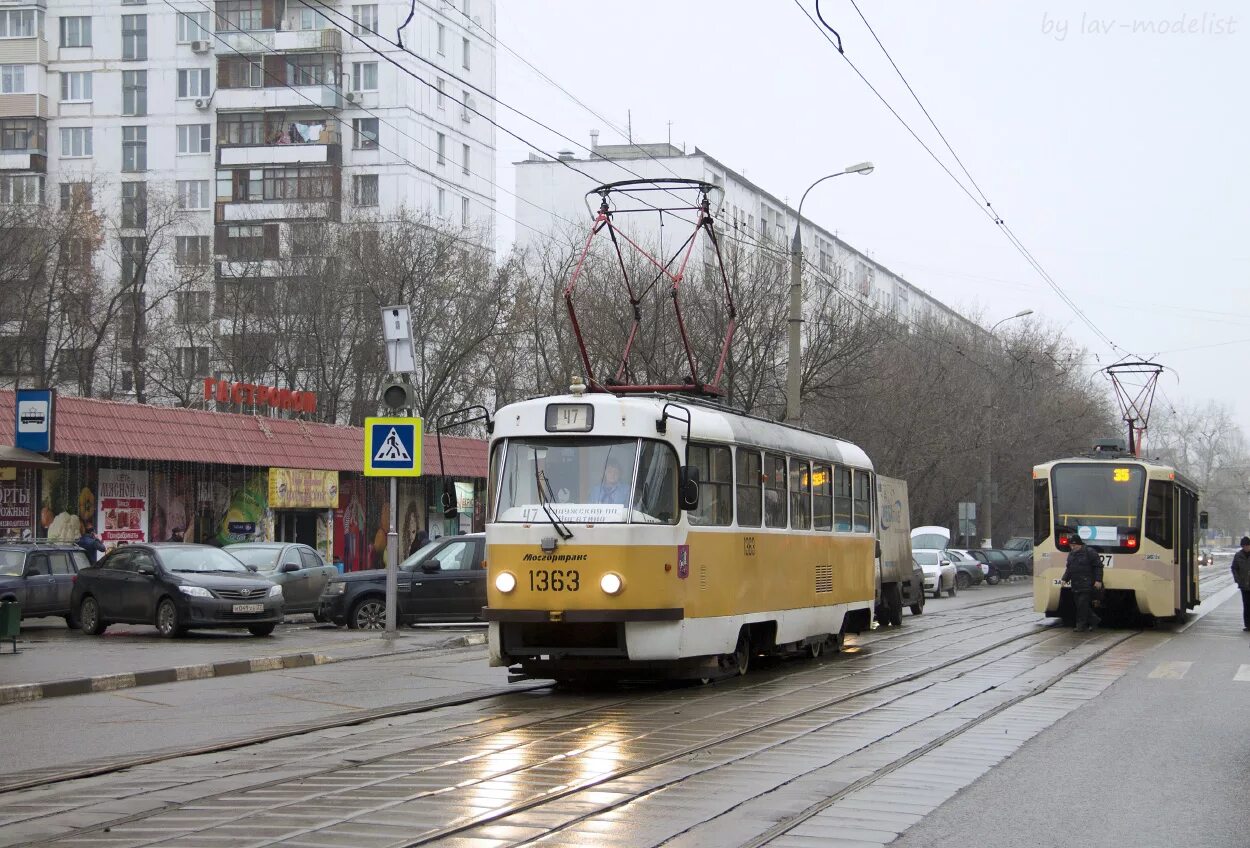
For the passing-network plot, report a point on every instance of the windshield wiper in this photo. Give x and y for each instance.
(540, 479)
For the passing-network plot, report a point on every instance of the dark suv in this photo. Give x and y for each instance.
(40, 576)
(443, 581)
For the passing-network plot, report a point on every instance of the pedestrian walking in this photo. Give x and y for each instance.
(90, 542)
(1241, 573)
(1084, 574)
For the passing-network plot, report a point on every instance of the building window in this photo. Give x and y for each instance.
(23, 189)
(135, 37)
(193, 361)
(191, 306)
(76, 87)
(365, 19)
(442, 40)
(75, 142)
(365, 133)
(464, 159)
(309, 19)
(134, 205)
(240, 72)
(20, 23)
(310, 69)
(465, 114)
(134, 260)
(134, 149)
(256, 241)
(194, 82)
(193, 26)
(294, 183)
(22, 134)
(76, 32)
(191, 250)
(75, 195)
(306, 239)
(364, 76)
(134, 2)
(243, 15)
(18, 356)
(442, 149)
(442, 202)
(193, 195)
(12, 79)
(365, 190)
(134, 93)
(440, 95)
(195, 138)
(464, 42)
(464, 211)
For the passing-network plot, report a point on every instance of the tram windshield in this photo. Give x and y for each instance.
(1102, 497)
(588, 481)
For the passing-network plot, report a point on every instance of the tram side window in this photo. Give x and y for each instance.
(1041, 511)
(750, 486)
(774, 490)
(715, 485)
(655, 494)
(841, 498)
(863, 502)
(800, 494)
(1159, 497)
(822, 497)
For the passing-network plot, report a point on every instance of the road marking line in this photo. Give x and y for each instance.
(1170, 670)
(1243, 674)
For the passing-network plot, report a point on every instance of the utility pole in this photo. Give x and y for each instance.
(987, 474)
(794, 368)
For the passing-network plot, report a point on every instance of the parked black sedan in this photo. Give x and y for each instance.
(175, 587)
(40, 577)
(443, 581)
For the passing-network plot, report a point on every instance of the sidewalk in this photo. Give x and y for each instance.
(54, 660)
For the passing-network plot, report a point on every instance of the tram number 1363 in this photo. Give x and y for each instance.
(554, 580)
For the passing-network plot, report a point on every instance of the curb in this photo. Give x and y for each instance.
(25, 692)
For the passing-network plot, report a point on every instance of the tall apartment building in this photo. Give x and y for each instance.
(254, 116)
(550, 194)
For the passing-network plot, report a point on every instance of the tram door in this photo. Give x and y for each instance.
(1187, 518)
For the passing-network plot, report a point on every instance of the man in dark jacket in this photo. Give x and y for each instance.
(1084, 572)
(1241, 573)
(90, 542)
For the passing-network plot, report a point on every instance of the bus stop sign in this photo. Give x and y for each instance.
(392, 447)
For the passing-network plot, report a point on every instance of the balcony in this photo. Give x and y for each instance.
(11, 160)
(297, 97)
(23, 106)
(245, 212)
(289, 139)
(23, 51)
(292, 41)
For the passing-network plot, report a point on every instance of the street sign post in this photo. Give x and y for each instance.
(33, 419)
(392, 449)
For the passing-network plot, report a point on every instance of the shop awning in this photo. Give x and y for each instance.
(115, 430)
(11, 457)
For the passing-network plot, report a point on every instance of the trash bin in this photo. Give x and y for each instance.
(10, 622)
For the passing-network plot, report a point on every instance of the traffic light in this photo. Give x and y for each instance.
(398, 395)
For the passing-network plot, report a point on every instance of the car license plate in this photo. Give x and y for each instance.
(248, 608)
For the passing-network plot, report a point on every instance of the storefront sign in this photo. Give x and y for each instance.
(303, 488)
(17, 511)
(248, 394)
(241, 528)
(122, 506)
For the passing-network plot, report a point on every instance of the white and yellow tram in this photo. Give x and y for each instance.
(1140, 517)
(600, 561)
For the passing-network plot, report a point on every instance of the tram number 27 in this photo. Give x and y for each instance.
(554, 580)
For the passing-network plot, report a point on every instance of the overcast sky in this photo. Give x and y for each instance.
(1114, 145)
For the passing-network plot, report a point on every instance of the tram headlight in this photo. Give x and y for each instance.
(611, 583)
(505, 581)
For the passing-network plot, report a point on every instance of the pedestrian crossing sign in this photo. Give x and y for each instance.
(393, 447)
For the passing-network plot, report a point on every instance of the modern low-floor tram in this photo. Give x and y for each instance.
(598, 563)
(1141, 518)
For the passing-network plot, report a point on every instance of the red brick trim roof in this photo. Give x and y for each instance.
(115, 430)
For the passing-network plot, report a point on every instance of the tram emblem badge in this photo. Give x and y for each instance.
(683, 561)
(748, 546)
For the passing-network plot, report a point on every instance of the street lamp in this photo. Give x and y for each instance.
(794, 370)
(987, 478)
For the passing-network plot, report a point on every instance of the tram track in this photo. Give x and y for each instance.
(873, 661)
